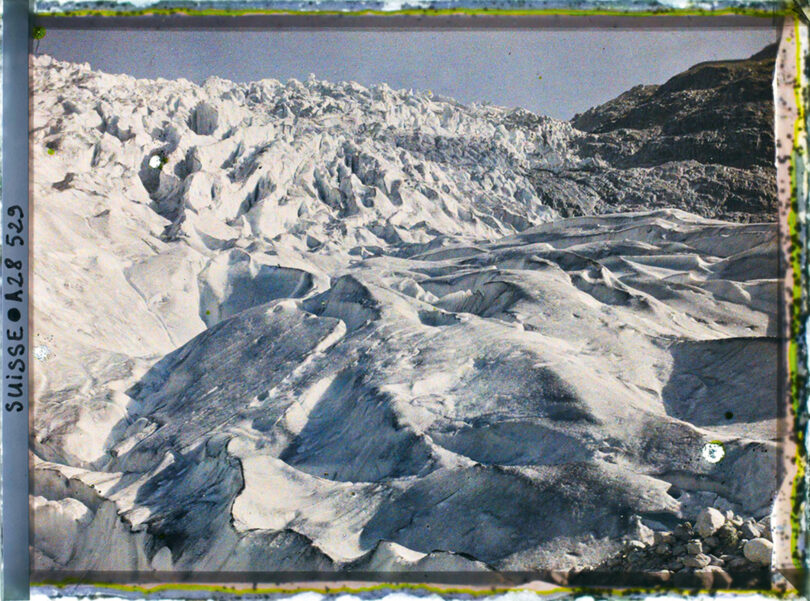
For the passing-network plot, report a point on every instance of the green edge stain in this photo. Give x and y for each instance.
(158, 588)
(796, 380)
(590, 591)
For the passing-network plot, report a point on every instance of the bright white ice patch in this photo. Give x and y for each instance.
(154, 162)
(42, 352)
(713, 452)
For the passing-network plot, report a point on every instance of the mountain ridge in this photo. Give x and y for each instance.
(703, 140)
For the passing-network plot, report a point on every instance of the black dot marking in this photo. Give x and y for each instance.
(729, 414)
(14, 314)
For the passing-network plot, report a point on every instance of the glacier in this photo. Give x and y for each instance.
(336, 328)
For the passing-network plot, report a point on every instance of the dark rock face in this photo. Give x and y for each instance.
(702, 142)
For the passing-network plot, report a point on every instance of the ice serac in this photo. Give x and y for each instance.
(333, 327)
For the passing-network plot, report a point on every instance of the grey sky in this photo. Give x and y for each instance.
(579, 68)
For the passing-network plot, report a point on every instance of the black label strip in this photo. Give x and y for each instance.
(15, 284)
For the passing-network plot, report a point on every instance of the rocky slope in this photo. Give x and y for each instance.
(720, 550)
(314, 326)
(703, 141)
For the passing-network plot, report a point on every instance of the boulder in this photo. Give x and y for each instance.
(764, 526)
(696, 561)
(759, 550)
(694, 547)
(683, 531)
(709, 521)
(721, 578)
(639, 531)
(738, 563)
(663, 549)
(705, 577)
(663, 538)
(750, 530)
(633, 545)
(660, 575)
(727, 535)
(686, 579)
